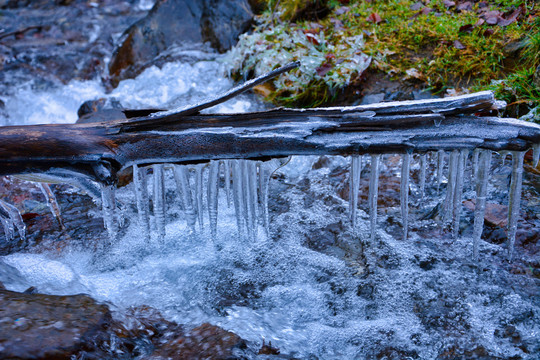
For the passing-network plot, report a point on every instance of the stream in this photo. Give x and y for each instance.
(316, 287)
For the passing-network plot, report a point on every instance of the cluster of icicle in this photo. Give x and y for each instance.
(245, 183)
(481, 162)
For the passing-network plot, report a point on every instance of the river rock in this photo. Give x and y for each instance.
(204, 342)
(37, 326)
(178, 22)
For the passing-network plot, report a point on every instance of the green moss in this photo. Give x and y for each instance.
(439, 47)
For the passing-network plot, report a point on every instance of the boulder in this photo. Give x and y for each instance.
(178, 22)
(37, 326)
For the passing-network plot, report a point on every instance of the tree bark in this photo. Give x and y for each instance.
(100, 150)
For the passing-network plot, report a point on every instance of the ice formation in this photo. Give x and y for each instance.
(245, 183)
(405, 164)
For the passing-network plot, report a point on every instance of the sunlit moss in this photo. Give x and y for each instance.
(434, 45)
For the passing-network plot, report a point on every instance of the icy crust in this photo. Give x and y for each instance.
(317, 287)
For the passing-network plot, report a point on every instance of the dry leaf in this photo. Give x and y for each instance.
(324, 69)
(374, 18)
(458, 45)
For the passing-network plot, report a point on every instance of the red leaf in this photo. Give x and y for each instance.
(374, 18)
(29, 216)
(324, 69)
(458, 45)
(488, 32)
(312, 39)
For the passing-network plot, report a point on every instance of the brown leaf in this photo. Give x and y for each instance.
(374, 18)
(507, 20)
(488, 32)
(466, 28)
(324, 69)
(426, 10)
(312, 39)
(480, 22)
(458, 45)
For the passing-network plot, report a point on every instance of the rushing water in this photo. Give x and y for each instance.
(352, 299)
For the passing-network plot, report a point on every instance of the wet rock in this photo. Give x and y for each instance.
(178, 22)
(47, 326)
(205, 341)
(47, 42)
(100, 110)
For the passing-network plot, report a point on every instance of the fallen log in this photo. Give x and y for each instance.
(100, 150)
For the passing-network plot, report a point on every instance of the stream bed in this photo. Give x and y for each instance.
(315, 287)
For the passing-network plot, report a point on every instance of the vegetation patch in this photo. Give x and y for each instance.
(443, 45)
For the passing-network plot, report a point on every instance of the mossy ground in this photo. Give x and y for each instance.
(442, 45)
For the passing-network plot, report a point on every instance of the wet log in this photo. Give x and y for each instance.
(100, 150)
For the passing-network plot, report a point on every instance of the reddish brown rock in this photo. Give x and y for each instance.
(37, 326)
(204, 342)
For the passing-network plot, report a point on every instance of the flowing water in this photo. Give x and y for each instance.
(301, 275)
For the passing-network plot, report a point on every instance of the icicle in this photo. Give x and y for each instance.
(238, 199)
(181, 176)
(266, 169)
(452, 172)
(503, 155)
(514, 198)
(251, 197)
(536, 155)
(354, 186)
(481, 193)
(458, 192)
(7, 224)
(373, 193)
(423, 165)
(474, 172)
(108, 207)
(159, 200)
(141, 197)
(227, 170)
(51, 201)
(12, 220)
(212, 196)
(440, 165)
(404, 192)
(199, 194)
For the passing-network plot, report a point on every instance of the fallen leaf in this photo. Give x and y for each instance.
(417, 6)
(480, 22)
(488, 32)
(342, 10)
(507, 20)
(426, 10)
(330, 56)
(324, 69)
(466, 28)
(413, 73)
(374, 18)
(449, 3)
(312, 39)
(466, 6)
(338, 25)
(458, 45)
